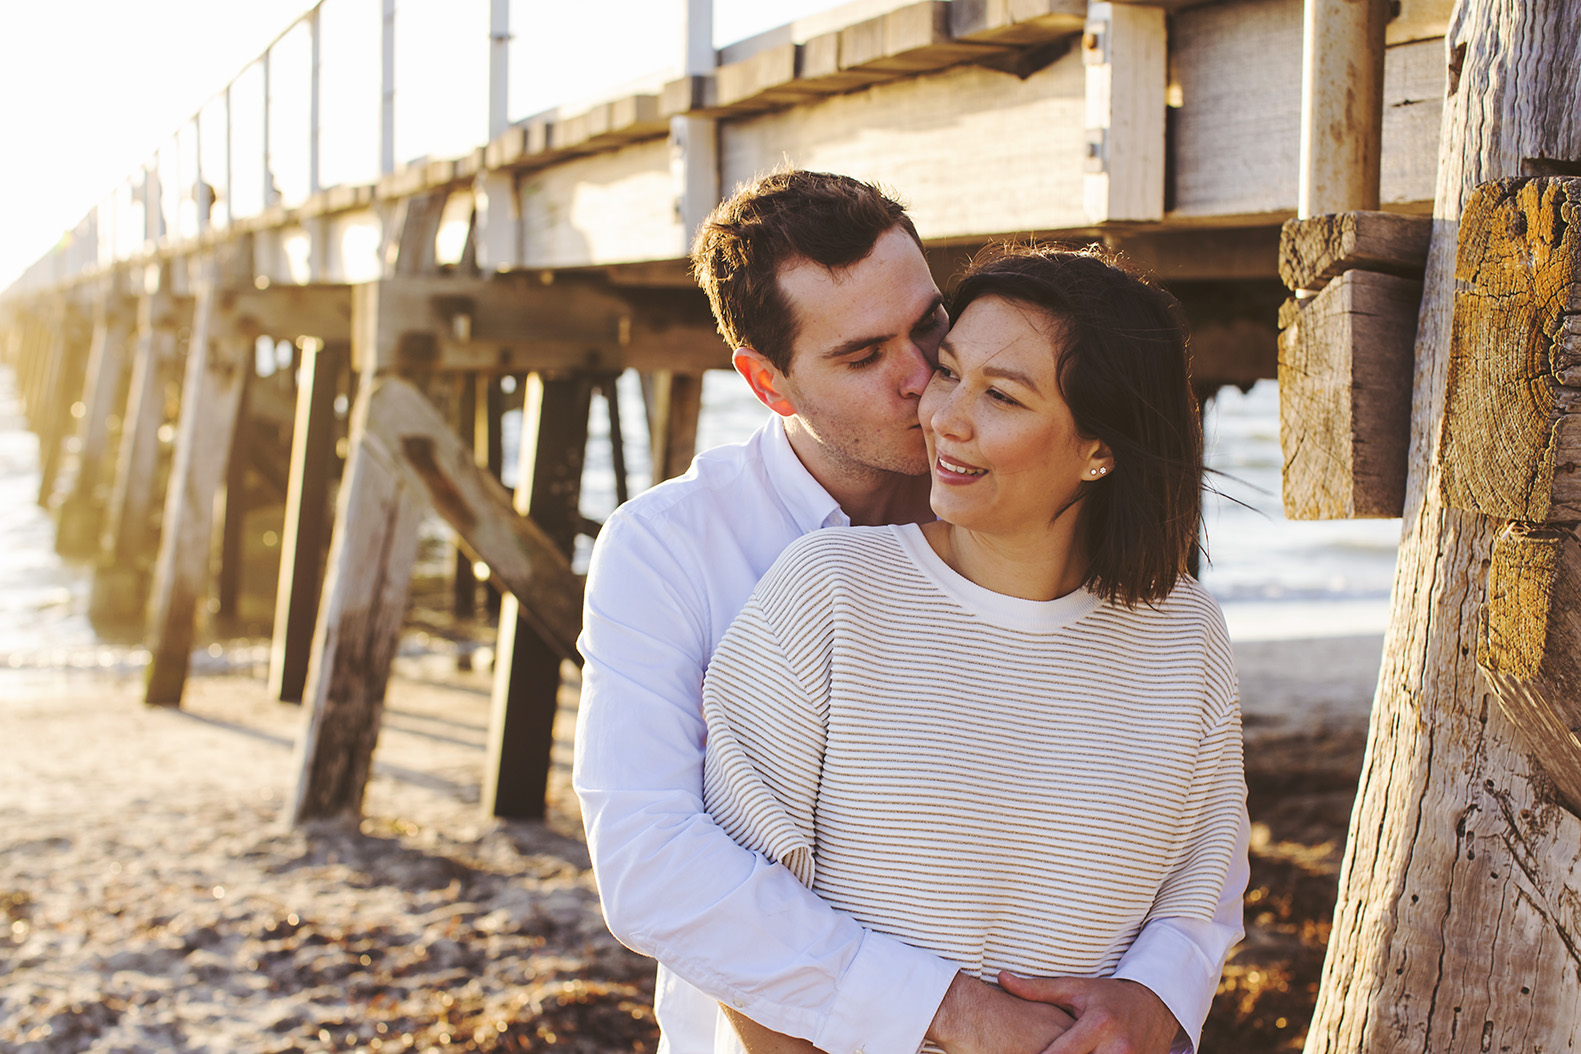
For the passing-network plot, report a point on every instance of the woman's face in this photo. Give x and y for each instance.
(1003, 449)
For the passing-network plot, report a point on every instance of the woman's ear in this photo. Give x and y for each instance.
(764, 378)
(1100, 460)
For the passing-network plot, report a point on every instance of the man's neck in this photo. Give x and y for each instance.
(868, 496)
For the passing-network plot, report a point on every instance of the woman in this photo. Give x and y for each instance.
(1012, 735)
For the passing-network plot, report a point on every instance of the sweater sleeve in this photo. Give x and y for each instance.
(1215, 803)
(766, 735)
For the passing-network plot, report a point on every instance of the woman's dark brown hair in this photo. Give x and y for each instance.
(1124, 370)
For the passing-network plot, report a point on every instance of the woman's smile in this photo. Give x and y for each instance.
(947, 470)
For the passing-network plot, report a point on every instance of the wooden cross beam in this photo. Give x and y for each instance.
(518, 324)
(1345, 361)
(437, 463)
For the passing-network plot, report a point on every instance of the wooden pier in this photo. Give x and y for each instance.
(1278, 163)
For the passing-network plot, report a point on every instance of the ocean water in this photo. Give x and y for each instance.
(1276, 579)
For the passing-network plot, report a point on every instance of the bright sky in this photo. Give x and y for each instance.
(92, 88)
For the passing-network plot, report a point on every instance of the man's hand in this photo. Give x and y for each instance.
(977, 1018)
(1112, 1016)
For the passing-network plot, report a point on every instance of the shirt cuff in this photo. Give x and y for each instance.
(1156, 959)
(907, 984)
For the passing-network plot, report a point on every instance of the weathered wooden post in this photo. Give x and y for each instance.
(219, 358)
(526, 666)
(372, 549)
(307, 521)
(1512, 450)
(1459, 891)
(61, 383)
(81, 513)
(674, 401)
(120, 582)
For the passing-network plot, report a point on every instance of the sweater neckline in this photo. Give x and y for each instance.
(1040, 616)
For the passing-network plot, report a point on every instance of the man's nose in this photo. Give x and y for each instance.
(918, 370)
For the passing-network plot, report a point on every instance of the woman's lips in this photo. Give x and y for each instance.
(952, 471)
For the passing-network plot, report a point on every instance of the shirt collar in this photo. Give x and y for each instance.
(803, 496)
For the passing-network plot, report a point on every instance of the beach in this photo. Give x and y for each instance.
(157, 902)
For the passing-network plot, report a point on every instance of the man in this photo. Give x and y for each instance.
(819, 284)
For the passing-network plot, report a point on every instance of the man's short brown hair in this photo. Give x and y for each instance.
(789, 215)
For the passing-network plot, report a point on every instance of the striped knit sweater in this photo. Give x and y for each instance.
(1012, 784)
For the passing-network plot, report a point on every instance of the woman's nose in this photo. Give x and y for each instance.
(948, 418)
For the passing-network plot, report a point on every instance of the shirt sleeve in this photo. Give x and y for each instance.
(766, 737)
(673, 884)
(1180, 955)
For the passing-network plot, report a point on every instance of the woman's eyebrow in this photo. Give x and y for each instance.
(1023, 379)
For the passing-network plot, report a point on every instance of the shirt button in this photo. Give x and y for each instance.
(740, 1003)
(860, 1050)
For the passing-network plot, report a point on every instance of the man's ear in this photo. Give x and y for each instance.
(763, 378)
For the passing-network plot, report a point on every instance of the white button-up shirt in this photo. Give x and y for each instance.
(670, 571)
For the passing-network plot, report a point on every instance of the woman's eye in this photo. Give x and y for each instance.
(999, 396)
(944, 371)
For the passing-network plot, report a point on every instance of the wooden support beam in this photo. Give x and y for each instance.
(371, 553)
(120, 582)
(1315, 250)
(1345, 365)
(1125, 52)
(1531, 650)
(464, 582)
(1341, 105)
(359, 626)
(674, 401)
(218, 360)
(516, 324)
(1511, 440)
(233, 502)
(519, 552)
(1017, 22)
(915, 38)
(290, 312)
(527, 657)
(62, 381)
(307, 522)
(81, 514)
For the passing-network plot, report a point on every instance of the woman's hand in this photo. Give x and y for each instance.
(978, 1018)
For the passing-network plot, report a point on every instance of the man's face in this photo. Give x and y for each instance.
(866, 344)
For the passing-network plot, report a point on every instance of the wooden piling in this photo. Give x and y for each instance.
(59, 381)
(80, 521)
(218, 359)
(674, 401)
(526, 666)
(233, 503)
(307, 518)
(120, 583)
(359, 621)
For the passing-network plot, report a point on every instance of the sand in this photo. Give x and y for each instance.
(156, 902)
